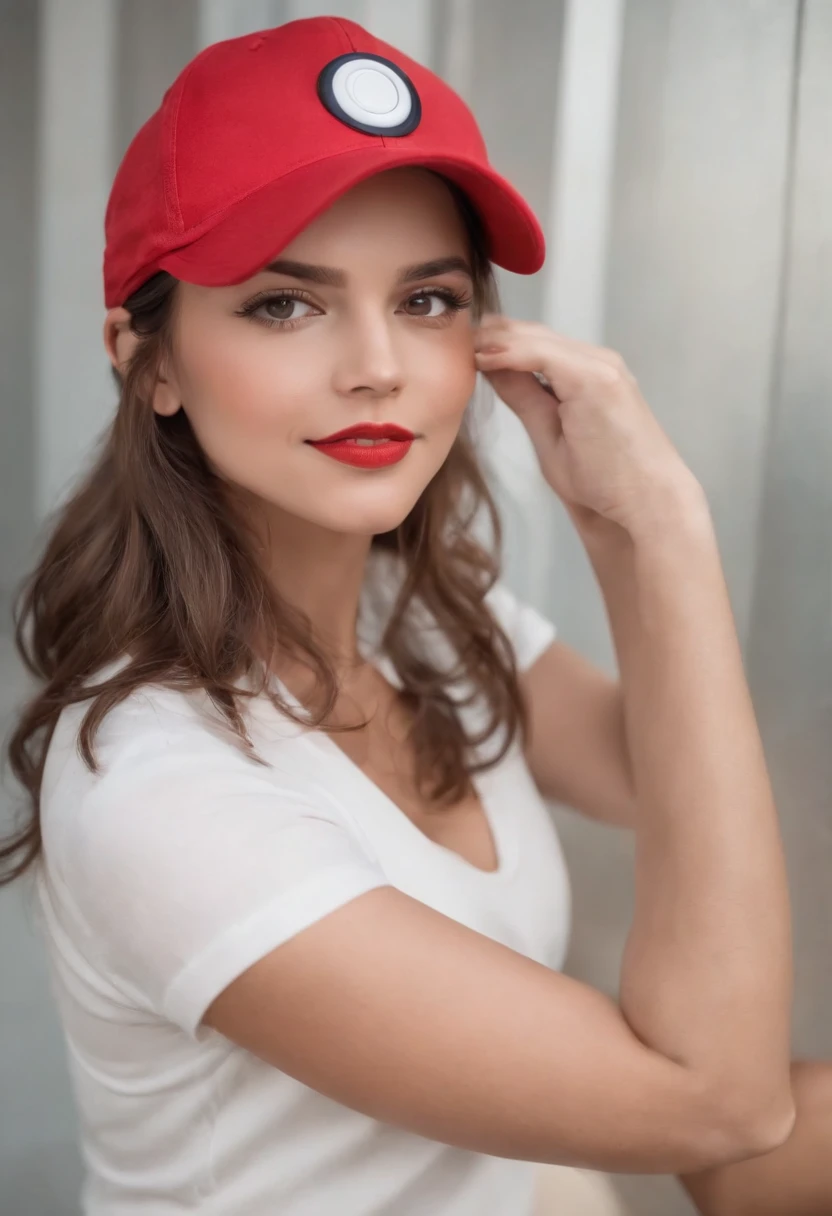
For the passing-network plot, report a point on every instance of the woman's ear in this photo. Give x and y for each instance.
(119, 340)
(120, 343)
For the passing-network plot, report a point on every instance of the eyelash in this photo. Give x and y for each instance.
(456, 301)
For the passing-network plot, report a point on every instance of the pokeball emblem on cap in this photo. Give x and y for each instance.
(370, 94)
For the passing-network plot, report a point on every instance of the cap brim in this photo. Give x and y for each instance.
(254, 230)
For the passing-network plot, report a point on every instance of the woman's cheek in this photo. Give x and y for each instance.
(252, 398)
(452, 388)
(239, 424)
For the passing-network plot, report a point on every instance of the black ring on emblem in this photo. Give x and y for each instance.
(327, 96)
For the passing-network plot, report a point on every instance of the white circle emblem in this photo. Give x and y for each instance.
(372, 93)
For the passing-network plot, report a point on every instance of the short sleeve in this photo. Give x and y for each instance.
(187, 865)
(528, 630)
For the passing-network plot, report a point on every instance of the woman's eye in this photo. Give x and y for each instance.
(283, 308)
(427, 304)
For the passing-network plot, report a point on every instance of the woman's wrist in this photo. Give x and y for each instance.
(671, 514)
(663, 577)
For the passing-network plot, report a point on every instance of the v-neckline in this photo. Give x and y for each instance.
(505, 847)
(505, 843)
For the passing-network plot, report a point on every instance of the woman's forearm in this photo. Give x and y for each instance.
(707, 971)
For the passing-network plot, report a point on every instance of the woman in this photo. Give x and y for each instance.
(305, 905)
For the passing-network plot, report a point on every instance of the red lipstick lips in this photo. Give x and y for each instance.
(384, 443)
(368, 430)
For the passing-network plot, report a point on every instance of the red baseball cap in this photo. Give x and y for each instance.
(258, 135)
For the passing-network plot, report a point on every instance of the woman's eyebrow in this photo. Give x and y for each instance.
(323, 275)
(328, 276)
(429, 270)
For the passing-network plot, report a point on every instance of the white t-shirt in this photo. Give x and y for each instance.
(179, 865)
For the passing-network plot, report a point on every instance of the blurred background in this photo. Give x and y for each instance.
(678, 153)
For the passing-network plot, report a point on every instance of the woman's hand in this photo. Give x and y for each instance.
(599, 446)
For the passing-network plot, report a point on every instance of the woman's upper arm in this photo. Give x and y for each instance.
(577, 749)
(396, 1011)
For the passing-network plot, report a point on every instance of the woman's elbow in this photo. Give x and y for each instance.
(756, 1129)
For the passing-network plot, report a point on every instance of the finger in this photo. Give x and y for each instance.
(570, 373)
(502, 333)
(536, 409)
(496, 330)
(522, 391)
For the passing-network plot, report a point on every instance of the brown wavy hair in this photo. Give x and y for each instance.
(147, 560)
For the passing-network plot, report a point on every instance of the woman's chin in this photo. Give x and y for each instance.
(365, 515)
(369, 523)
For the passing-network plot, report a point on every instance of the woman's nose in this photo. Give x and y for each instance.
(369, 361)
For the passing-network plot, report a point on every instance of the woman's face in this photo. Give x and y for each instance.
(370, 323)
